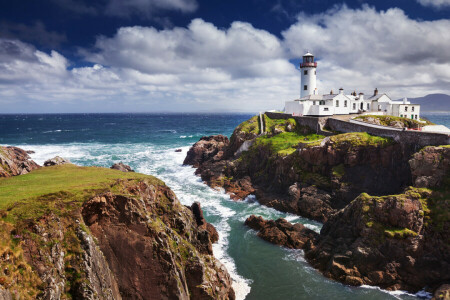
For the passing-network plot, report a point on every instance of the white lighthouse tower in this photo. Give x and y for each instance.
(308, 77)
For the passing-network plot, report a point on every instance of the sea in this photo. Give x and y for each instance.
(147, 142)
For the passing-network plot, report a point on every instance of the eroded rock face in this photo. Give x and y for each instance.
(55, 161)
(156, 255)
(206, 148)
(430, 166)
(15, 161)
(122, 167)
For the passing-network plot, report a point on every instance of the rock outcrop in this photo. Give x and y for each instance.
(127, 239)
(56, 161)
(313, 179)
(208, 148)
(281, 232)
(15, 161)
(122, 167)
(394, 241)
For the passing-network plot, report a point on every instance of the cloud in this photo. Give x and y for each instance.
(126, 9)
(435, 3)
(36, 33)
(197, 68)
(364, 48)
(240, 68)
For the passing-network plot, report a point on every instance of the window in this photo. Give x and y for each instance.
(305, 87)
(305, 72)
(354, 106)
(412, 108)
(401, 116)
(314, 102)
(337, 103)
(345, 103)
(368, 106)
(322, 102)
(406, 108)
(416, 117)
(314, 72)
(362, 105)
(325, 109)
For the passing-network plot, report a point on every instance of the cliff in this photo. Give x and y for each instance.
(385, 205)
(15, 161)
(294, 170)
(70, 232)
(394, 241)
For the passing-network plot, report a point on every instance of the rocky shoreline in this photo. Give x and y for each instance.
(384, 204)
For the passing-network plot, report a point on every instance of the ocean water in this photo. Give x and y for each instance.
(147, 142)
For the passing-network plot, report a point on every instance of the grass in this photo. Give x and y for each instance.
(250, 126)
(286, 143)
(65, 179)
(390, 120)
(356, 139)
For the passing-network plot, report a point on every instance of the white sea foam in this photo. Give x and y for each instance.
(421, 294)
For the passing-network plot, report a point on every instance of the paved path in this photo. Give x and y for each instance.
(261, 123)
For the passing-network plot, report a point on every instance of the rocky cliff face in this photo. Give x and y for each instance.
(293, 170)
(126, 238)
(15, 161)
(395, 241)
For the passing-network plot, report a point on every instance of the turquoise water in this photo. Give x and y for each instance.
(147, 143)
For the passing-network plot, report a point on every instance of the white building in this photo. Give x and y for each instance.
(313, 104)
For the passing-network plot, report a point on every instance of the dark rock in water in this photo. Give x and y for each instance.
(15, 161)
(55, 161)
(281, 232)
(30, 152)
(210, 147)
(178, 150)
(122, 167)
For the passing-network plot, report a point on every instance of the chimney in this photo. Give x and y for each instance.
(341, 91)
(361, 96)
(354, 93)
(331, 92)
(375, 92)
(405, 100)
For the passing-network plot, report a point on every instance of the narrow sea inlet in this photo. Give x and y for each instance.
(147, 142)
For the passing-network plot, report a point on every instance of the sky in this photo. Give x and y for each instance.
(76, 56)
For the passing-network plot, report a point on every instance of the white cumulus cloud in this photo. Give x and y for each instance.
(364, 48)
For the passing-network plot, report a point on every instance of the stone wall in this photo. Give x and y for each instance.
(419, 138)
(405, 137)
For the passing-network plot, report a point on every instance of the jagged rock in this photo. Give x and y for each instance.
(55, 161)
(122, 167)
(202, 224)
(130, 234)
(430, 166)
(178, 150)
(15, 161)
(281, 232)
(206, 148)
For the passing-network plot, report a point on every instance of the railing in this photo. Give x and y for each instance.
(304, 65)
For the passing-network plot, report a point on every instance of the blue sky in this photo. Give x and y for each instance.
(195, 55)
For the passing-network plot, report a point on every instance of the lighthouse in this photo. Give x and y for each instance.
(308, 75)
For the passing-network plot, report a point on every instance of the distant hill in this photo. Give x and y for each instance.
(433, 102)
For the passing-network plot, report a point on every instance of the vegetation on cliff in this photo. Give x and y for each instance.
(58, 225)
(393, 121)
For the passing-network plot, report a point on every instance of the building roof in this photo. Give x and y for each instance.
(308, 54)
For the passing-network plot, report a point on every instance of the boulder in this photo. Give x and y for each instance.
(122, 167)
(281, 232)
(15, 161)
(55, 161)
(206, 148)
